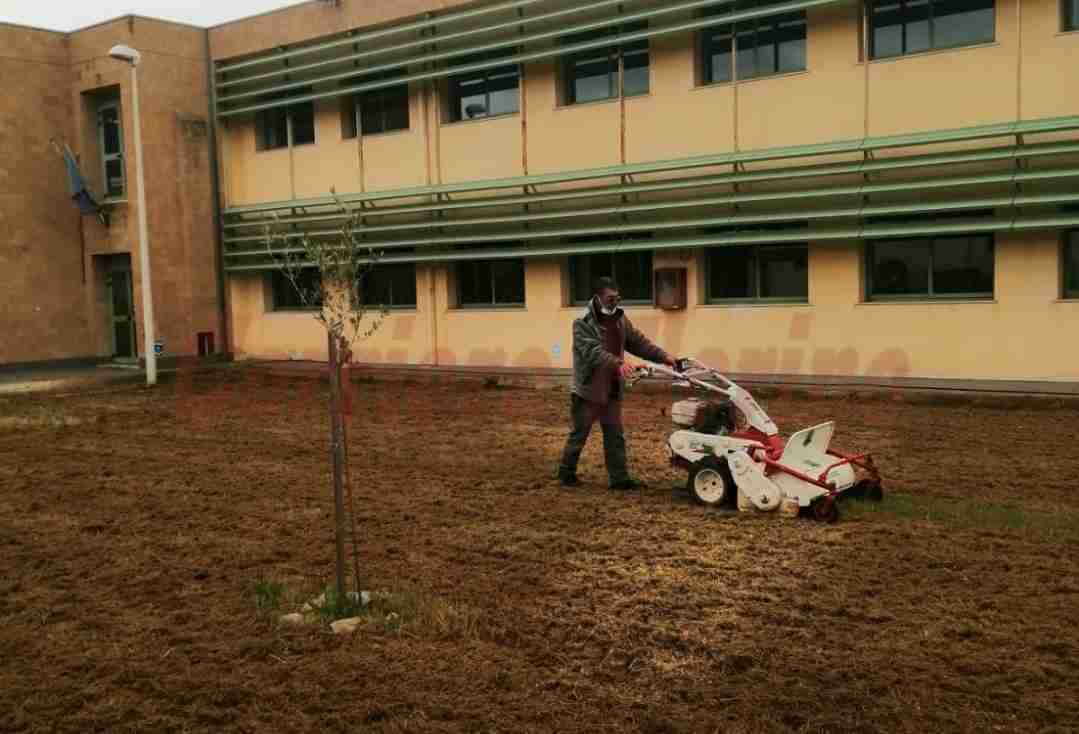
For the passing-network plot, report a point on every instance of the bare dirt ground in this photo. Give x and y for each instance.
(136, 529)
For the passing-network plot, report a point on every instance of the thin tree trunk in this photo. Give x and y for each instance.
(336, 457)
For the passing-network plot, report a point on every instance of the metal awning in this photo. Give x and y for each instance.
(264, 80)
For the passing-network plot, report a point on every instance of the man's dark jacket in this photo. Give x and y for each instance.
(590, 357)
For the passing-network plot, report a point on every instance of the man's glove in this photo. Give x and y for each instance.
(681, 364)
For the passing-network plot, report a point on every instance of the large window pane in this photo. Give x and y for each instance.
(732, 273)
(1071, 15)
(390, 286)
(303, 123)
(900, 268)
(791, 43)
(114, 178)
(1071, 265)
(635, 79)
(592, 77)
(718, 53)
(631, 270)
(503, 85)
(509, 282)
(962, 22)
(485, 93)
(384, 110)
(886, 19)
(963, 266)
(918, 35)
(304, 294)
(271, 129)
(474, 284)
(783, 272)
(110, 130)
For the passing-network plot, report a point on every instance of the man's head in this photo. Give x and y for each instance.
(606, 292)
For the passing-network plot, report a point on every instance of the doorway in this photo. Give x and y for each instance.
(121, 308)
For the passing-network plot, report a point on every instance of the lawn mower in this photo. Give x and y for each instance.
(735, 456)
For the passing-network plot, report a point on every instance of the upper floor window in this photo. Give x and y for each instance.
(762, 273)
(389, 286)
(279, 127)
(111, 143)
(1071, 15)
(753, 48)
(377, 111)
(1071, 264)
(484, 93)
(631, 270)
(305, 294)
(939, 267)
(901, 27)
(605, 73)
(491, 283)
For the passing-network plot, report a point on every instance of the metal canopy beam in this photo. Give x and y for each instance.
(860, 232)
(1012, 177)
(704, 222)
(859, 145)
(512, 59)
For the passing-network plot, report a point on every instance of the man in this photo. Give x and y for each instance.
(601, 337)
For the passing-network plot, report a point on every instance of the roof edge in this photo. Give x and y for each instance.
(264, 12)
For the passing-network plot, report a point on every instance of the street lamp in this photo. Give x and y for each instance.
(131, 56)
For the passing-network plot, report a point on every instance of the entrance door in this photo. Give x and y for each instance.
(122, 317)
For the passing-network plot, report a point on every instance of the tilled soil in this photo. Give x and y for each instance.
(135, 527)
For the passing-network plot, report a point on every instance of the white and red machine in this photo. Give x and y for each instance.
(734, 454)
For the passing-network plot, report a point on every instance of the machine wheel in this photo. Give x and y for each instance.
(711, 484)
(826, 510)
(866, 489)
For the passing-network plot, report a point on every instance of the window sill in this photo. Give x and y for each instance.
(485, 118)
(291, 311)
(282, 149)
(933, 52)
(389, 309)
(736, 82)
(386, 134)
(492, 307)
(596, 102)
(756, 304)
(1069, 32)
(1068, 299)
(927, 302)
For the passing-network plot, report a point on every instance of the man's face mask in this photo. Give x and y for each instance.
(608, 302)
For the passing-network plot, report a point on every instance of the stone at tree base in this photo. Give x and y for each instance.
(296, 620)
(346, 626)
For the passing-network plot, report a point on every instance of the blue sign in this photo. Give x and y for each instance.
(159, 348)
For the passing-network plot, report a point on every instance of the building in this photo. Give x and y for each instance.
(812, 189)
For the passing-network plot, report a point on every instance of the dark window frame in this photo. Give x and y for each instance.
(730, 34)
(279, 285)
(494, 303)
(116, 157)
(353, 117)
(1069, 16)
(452, 86)
(755, 251)
(615, 54)
(932, 242)
(288, 114)
(1069, 290)
(871, 28)
(367, 300)
(574, 264)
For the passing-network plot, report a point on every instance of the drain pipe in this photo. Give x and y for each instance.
(215, 186)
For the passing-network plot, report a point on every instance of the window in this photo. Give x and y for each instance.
(491, 283)
(941, 267)
(595, 74)
(901, 27)
(390, 286)
(631, 270)
(484, 93)
(753, 48)
(377, 111)
(1071, 15)
(1071, 265)
(273, 126)
(286, 296)
(758, 273)
(111, 141)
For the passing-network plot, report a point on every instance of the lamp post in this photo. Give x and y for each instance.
(131, 56)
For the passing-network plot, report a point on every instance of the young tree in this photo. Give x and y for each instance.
(342, 261)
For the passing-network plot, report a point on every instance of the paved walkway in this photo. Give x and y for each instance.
(51, 379)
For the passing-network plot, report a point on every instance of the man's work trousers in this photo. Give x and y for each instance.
(583, 414)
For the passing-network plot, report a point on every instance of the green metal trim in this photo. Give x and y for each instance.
(860, 145)
(861, 232)
(420, 25)
(514, 59)
(440, 39)
(832, 169)
(730, 199)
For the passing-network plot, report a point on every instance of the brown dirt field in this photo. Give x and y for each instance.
(135, 525)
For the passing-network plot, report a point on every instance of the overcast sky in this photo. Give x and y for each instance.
(67, 15)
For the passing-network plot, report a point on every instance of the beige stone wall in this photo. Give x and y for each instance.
(56, 312)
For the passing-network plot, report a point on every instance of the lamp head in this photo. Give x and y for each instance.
(125, 53)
